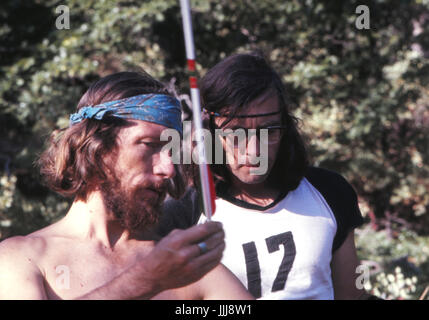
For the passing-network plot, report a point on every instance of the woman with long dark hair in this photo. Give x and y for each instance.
(288, 225)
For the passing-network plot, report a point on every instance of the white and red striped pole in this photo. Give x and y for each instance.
(207, 187)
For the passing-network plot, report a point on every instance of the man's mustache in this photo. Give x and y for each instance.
(159, 187)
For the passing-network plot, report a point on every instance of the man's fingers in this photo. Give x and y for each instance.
(214, 240)
(203, 263)
(213, 255)
(180, 259)
(212, 243)
(198, 233)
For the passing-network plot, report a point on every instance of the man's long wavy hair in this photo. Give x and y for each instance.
(229, 87)
(74, 163)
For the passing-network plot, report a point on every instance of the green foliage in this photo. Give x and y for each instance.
(393, 286)
(20, 213)
(401, 259)
(362, 94)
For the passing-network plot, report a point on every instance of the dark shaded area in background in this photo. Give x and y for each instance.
(362, 94)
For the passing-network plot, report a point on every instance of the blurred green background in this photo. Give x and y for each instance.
(362, 96)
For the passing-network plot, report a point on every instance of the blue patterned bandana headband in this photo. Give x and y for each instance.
(157, 108)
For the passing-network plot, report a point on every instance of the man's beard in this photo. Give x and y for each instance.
(136, 209)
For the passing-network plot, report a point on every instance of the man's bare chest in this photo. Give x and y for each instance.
(73, 272)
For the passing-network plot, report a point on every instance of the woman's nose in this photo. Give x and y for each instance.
(253, 148)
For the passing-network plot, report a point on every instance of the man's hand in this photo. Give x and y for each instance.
(177, 260)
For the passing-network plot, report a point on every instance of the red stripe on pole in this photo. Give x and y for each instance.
(191, 65)
(193, 82)
(212, 190)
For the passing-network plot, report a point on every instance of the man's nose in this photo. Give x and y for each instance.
(164, 165)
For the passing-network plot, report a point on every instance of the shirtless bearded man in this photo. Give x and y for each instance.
(111, 161)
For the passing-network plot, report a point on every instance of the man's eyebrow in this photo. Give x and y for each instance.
(147, 136)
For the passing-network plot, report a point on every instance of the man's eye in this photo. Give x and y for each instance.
(151, 144)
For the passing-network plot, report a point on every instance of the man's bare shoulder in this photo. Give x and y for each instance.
(33, 244)
(20, 275)
(16, 249)
(29, 249)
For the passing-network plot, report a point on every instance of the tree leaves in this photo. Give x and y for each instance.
(362, 94)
